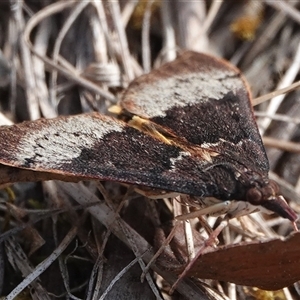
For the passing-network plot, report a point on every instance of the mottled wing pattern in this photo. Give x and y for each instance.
(201, 101)
(93, 146)
(206, 101)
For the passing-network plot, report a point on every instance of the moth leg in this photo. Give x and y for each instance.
(161, 249)
(177, 207)
(208, 242)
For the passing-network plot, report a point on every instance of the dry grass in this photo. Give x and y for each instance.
(69, 57)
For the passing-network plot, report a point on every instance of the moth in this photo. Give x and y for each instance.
(191, 131)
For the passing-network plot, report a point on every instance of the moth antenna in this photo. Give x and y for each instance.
(160, 250)
(219, 208)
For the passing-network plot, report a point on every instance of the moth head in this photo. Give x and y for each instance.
(268, 196)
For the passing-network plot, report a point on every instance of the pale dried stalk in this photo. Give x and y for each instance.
(29, 78)
(212, 13)
(285, 7)
(128, 10)
(121, 273)
(261, 99)
(169, 42)
(282, 145)
(191, 15)
(33, 22)
(40, 45)
(76, 11)
(124, 50)
(39, 269)
(146, 38)
(278, 117)
(287, 79)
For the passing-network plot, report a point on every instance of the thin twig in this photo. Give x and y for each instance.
(287, 79)
(39, 269)
(282, 145)
(277, 117)
(261, 99)
(30, 90)
(212, 13)
(146, 57)
(33, 22)
(124, 50)
(76, 11)
(169, 43)
(285, 7)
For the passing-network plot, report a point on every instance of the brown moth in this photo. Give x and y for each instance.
(192, 132)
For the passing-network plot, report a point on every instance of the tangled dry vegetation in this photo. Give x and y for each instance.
(91, 240)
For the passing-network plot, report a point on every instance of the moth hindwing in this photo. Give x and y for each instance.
(194, 133)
